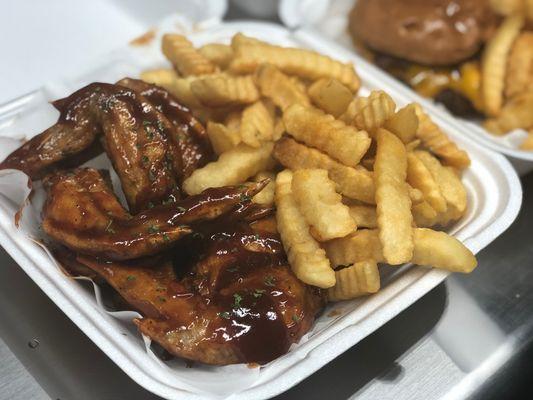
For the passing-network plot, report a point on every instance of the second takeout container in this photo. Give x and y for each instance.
(329, 19)
(494, 195)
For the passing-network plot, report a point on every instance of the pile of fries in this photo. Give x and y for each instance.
(355, 181)
(507, 71)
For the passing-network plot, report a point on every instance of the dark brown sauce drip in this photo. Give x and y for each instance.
(255, 326)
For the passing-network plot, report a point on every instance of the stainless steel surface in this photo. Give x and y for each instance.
(469, 338)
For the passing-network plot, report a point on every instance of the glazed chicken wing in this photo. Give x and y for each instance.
(190, 136)
(75, 131)
(82, 213)
(241, 303)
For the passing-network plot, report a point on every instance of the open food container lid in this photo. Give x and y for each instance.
(326, 18)
(494, 201)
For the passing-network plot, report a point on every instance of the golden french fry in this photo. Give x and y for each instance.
(257, 125)
(431, 248)
(240, 39)
(494, 63)
(181, 53)
(507, 7)
(419, 177)
(519, 76)
(356, 183)
(321, 205)
(164, 77)
(306, 64)
(516, 114)
(311, 126)
(404, 123)
(412, 145)
(527, 144)
(369, 113)
(307, 259)
(221, 137)
(364, 216)
(222, 90)
(438, 249)
(450, 185)
(278, 87)
(232, 167)
(279, 129)
(424, 215)
(265, 196)
(393, 204)
(360, 279)
(180, 88)
(330, 96)
(415, 194)
(218, 54)
(433, 138)
(362, 245)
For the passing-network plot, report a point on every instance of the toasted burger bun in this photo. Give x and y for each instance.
(431, 32)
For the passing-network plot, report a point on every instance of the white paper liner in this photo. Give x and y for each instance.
(337, 320)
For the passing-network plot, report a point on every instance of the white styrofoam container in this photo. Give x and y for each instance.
(329, 18)
(494, 194)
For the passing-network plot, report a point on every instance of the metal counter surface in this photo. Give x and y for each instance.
(469, 338)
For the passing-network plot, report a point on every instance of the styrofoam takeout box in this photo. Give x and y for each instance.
(325, 18)
(494, 195)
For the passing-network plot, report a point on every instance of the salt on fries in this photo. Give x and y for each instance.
(364, 182)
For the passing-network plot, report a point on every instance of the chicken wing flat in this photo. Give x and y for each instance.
(82, 213)
(75, 131)
(190, 136)
(240, 304)
(137, 139)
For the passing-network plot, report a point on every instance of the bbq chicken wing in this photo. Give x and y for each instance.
(75, 131)
(82, 213)
(241, 303)
(190, 137)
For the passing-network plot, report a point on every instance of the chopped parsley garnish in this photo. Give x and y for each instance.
(166, 238)
(197, 235)
(270, 281)
(169, 200)
(108, 227)
(160, 125)
(145, 159)
(225, 315)
(245, 197)
(151, 205)
(233, 269)
(146, 123)
(160, 289)
(153, 229)
(296, 318)
(130, 278)
(161, 299)
(258, 293)
(237, 298)
(256, 236)
(181, 209)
